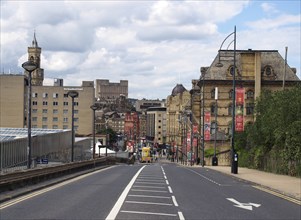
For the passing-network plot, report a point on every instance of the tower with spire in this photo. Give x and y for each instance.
(34, 54)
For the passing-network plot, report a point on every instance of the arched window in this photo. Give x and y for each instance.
(250, 94)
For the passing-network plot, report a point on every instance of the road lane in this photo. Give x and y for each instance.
(207, 194)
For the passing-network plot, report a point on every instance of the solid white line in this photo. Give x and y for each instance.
(149, 203)
(167, 182)
(181, 216)
(159, 197)
(149, 213)
(113, 213)
(39, 192)
(174, 201)
(169, 188)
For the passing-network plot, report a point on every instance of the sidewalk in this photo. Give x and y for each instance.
(285, 185)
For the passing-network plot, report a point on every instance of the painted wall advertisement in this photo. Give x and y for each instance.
(239, 107)
(207, 126)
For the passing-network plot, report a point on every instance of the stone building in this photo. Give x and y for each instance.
(51, 106)
(156, 125)
(255, 72)
(106, 90)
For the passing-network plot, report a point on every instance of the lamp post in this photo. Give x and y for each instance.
(214, 159)
(94, 108)
(219, 64)
(72, 94)
(29, 66)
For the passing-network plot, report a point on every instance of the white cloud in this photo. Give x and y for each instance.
(149, 43)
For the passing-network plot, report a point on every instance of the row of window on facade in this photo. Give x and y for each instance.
(54, 103)
(249, 93)
(54, 111)
(249, 109)
(54, 119)
(55, 127)
(45, 95)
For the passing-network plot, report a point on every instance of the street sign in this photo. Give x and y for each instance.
(248, 206)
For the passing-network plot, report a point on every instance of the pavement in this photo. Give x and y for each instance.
(269, 182)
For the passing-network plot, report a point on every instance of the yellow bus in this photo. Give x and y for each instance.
(146, 155)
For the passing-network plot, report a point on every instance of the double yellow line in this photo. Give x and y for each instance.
(298, 202)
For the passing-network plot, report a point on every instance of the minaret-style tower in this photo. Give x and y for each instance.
(34, 54)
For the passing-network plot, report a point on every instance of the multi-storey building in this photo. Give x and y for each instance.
(144, 104)
(156, 125)
(51, 107)
(106, 90)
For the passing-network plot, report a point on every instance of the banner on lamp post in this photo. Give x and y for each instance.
(239, 109)
(207, 125)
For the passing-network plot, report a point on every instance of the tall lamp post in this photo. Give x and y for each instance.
(234, 165)
(29, 66)
(214, 159)
(72, 94)
(94, 108)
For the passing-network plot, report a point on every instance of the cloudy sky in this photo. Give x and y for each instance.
(152, 44)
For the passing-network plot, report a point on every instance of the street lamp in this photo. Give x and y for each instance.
(72, 94)
(94, 108)
(234, 166)
(214, 159)
(29, 66)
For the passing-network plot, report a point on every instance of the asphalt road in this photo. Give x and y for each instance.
(153, 191)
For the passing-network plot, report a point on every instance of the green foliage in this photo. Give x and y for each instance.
(273, 142)
(210, 152)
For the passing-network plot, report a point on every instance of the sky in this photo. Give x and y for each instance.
(155, 45)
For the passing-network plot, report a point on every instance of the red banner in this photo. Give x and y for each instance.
(207, 126)
(239, 107)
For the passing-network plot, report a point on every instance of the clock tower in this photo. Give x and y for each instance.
(34, 54)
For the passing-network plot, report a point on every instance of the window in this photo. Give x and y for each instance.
(213, 127)
(34, 103)
(55, 119)
(54, 127)
(249, 108)
(44, 119)
(250, 94)
(44, 111)
(55, 111)
(55, 95)
(76, 128)
(212, 109)
(55, 103)
(34, 110)
(65, 111)
(75, 103)
(65, 126)
(268, 70)
(45, 95)
(65, 95)
(34, 119)
(213, 93)
(231, 94)
(65, 120)
(35, 95)
(45, 103)
(75, 119)
(230, 109)
(65, 103)
(45, 127)
(75, 111)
